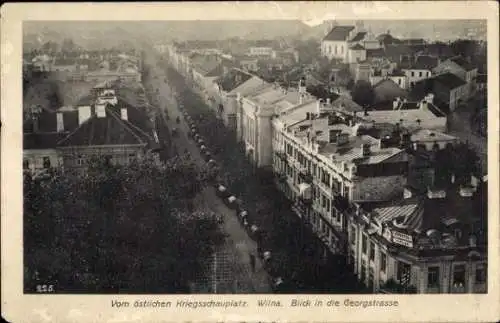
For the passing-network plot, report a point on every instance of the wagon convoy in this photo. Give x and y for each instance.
(235, 204)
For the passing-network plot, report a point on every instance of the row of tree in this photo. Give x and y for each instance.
(117, 228)
(268, 208)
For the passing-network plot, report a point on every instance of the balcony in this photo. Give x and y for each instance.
(281, 177)
(325, 188)
(280, 154)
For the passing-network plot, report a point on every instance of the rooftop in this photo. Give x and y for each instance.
(338, 33)
(359, 36)
(463, 63)
(425, 135)
(109, 130)
(233, 79)
(449, 80)
(425, 62)
(351, 150)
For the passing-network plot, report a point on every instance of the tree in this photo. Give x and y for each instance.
(343, 78)
(363, 94)
(117, 228)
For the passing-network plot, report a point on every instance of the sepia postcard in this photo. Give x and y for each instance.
(250, 162)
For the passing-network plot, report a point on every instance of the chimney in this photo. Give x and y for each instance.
(319, 106)
(407, 193)
(100, 110)
(84, 114)
(60, 122)
(366, 150)
(124, 114)
(328, 101)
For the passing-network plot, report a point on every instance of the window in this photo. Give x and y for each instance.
(363, 271)
(353, 235)
(328, 205)
(433, 277)
(363, 244)
(372, 251)
(403, 273)
(26, 163)
(412, 74)
(459, 276)
(79, 160)
(383, 262)
(481, 274)
(420, 74)
(46, 162)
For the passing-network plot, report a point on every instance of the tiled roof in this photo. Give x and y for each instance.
(388, 213)
(463, 63)
(110, 130)
(449, 80)
(338, 33)
(357, 47)
(359, 36)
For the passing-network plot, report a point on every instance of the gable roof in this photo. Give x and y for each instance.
(388, 90)
(449, 80)
(460, 61)
(338, 33)
(110, 130)
(359, 36)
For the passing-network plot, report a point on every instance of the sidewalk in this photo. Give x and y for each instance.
(230, 267)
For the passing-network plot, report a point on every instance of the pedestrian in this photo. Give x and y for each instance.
(252, 262)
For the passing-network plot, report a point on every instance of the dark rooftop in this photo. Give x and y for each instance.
(338, 33)
(110, 130)
(449, 80)
(463, 63)
(425, 62)
(359, 36)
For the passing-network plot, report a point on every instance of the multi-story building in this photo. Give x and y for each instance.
(103, 125)
(425, 242)
(409, 114)
(419, 69)
(256, 111)
(236, 83)
(461, 68)
(323, 163)
(348, 43)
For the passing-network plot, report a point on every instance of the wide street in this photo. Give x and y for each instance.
(230, 270)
